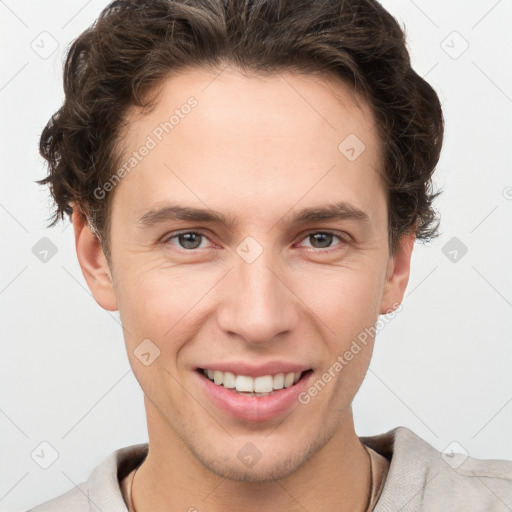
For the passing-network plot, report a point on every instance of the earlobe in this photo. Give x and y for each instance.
(93, 263)
(397, 275)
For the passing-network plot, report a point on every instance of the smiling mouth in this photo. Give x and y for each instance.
(264, 385)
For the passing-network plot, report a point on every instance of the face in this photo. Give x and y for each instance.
(250, 238)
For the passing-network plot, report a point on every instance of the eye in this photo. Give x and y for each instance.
(187, 240)
(191, 240)
(324, 239)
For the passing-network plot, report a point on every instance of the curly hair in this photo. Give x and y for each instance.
(134, 45)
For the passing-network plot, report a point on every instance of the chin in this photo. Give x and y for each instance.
(259, 473)
(265, 466)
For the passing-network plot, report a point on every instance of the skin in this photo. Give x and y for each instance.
(258, 149)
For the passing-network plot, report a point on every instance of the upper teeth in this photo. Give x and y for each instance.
(263, 384)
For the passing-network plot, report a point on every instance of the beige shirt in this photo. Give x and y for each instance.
(419, 478)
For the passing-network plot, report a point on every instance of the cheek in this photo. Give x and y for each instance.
(157, 310)
(158, 303)
(346, 306)
(346, 299)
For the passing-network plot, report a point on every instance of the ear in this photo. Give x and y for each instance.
(397, 275)
(93, 262)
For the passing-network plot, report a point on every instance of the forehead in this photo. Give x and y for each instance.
(232, 100)
(252, 138)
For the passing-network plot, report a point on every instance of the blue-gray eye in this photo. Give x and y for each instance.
(322, 239)
(188, 240)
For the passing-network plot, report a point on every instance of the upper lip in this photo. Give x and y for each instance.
(252, 370)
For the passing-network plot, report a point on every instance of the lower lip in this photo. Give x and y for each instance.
(254, 408)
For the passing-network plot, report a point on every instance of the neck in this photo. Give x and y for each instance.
(336, 476)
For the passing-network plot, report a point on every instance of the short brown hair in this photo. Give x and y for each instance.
(135, 44)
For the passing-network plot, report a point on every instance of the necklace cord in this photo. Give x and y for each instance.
(131, 505)
(370, 489)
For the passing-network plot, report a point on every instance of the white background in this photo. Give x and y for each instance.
(442, 367)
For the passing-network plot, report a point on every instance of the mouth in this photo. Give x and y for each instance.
(253, 399)
(264, 385)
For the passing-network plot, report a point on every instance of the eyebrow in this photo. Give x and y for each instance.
(172, 212)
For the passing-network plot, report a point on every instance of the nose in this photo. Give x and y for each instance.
(258, 304)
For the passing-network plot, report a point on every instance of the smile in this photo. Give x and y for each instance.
(256, 386)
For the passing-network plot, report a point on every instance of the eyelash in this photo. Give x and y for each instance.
(341, 235)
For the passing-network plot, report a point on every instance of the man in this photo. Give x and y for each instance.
(246, 181)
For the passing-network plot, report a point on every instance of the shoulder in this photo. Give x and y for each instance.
(422, 478)
(74, 500)
(102, 489)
